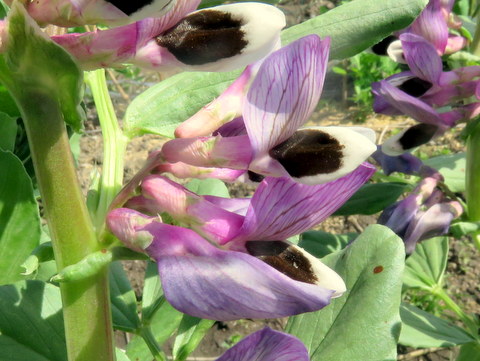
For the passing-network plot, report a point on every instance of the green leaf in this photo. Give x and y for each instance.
(31, 322)
(156, 311)
(425, 267)
(19, 219)
(352, 28)
(357, 25)
(372, 198)
(210, 3)
(469, 352)
(320, 243)
(191, 331)
(34, 64)
(452, 167)
(460, 229)
(210, 187)
(8, 131)
(7, 104)
(422, 329)
(364, 323)
(124, 302)
(3, 9)
(121, 355)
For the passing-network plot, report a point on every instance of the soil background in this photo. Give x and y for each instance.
(464, 262)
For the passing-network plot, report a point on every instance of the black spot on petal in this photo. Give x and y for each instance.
(284, 258)
(130, 7)
(415, 87)
(204, 37)
(255, 177)
(309, 152)
(417, 135)
(381, 47)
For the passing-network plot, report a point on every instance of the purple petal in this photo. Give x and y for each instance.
(232, 129)
(230, 152)
(431, 223)
(216, 223)
(267, 345)
(409, 105)
(285, 91)
(432, 26)
(221, 111)
(281, 208)
(405, 163)
(203, 281)
(183, 170)
(422, 58)
(235, 205)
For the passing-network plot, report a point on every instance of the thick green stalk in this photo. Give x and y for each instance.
(86, 303)
(146, 334)
(114, 145)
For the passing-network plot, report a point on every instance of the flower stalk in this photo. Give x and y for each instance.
(114, 145)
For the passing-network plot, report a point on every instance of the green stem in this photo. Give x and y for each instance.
(114, 145)
(468, 321)
(152, 344)
(86, 303)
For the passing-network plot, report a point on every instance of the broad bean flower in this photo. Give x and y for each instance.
(427, 212)
(221, 38)
(265, 140)
(423, 92)
(235, 261)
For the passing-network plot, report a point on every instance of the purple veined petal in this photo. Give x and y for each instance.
(267, 345)
(204, 281)
(281, 208)
(435, 221)
(126, 224)
(232, 129)
(409, 105)
(235, 205)
(222, 110)
(285, 92)
(404, 163)
(115, 46)
(230, 152)
(432, 25)
(206, 218)
(450, 93)
(399, 215)
(183, 170)
(316, 155)
(422, 58)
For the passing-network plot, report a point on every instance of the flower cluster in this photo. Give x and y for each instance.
(426, 212)
(178, 38)
(437, 99)
(222, 258)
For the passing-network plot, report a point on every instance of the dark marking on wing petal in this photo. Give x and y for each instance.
(417, 135)
(255, 177)
(130, 7)
(381, 47)
(415, 87)
(204, 37)
(284, 258)
(309, 152)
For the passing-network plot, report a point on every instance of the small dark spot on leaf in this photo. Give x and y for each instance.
(378, 269)
(104, 250)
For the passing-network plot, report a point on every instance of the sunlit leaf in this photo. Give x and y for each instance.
(364, 323)
(31, 322)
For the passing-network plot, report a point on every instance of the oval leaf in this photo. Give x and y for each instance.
(366, 317)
